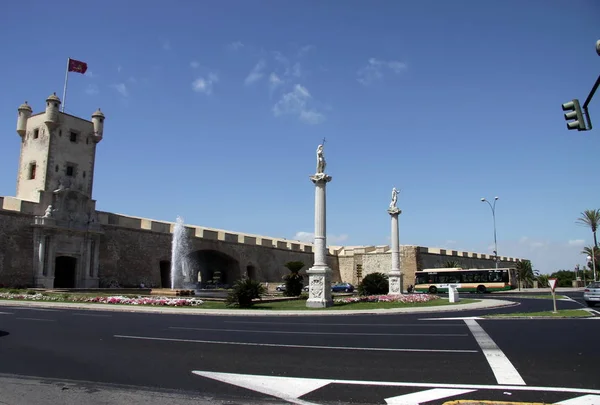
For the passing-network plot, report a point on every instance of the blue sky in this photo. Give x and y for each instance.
(214, 110)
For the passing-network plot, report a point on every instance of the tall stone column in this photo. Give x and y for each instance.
(395, 275)
(320, 274)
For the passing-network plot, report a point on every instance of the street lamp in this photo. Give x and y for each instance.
(593, 259)
(493, 207)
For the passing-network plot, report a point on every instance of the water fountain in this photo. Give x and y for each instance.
(181, 265)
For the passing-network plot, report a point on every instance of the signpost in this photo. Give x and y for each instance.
(552, 282)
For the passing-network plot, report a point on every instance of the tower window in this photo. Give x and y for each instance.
(36, 133)
(70, 170)
(73, 136)
(56, 168)
(60, 132)
(32, 168)
(84, 174)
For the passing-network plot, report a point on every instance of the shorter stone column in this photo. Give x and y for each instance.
(395, 275)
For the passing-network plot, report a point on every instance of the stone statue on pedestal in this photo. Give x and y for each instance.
(394, 198)
(48, 212)
(320, 160)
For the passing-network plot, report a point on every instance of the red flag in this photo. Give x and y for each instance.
(77, 66)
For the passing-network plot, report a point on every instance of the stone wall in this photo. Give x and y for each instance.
(129, 257)
(16, 249)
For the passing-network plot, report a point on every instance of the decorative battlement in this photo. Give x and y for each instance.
(347, 251)
(126, 221)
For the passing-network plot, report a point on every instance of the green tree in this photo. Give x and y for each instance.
(525, 273)
(590, 219)
(451, 264)
(244, 292)
(293, 280)
(373, 284)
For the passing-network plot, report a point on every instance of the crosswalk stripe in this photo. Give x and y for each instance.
(419, 397)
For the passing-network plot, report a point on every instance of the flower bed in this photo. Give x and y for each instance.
(153, 301)
(404, 298)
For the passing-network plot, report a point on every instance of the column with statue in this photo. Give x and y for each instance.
(320, 274)
(395, 275)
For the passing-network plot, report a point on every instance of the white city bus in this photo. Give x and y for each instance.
(472, 280)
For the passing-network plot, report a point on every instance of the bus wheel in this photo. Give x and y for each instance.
(432, 289)
(481, 289)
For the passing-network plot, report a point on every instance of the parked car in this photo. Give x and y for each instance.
(280, 287)
(591, 294)
(342, 287)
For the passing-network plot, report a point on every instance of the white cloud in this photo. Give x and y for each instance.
(90, 74)
(194, 64)
(304, 50)
(119, 68)
(92, 89)
(235, 45)
(256, 73)
(309, 237)
(375, 68)
(165, 44)
(121, 88)
(296, 102)
(205, 84)
(576, 242)
(274, 81)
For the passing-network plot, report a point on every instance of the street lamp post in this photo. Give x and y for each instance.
(493, 208)
(593, 259)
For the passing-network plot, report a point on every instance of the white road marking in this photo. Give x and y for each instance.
(348, 324)
(97, 315)
(37, 309)
(290, 382)
(460, 318)
(321, 333)
(368, 349)
(502, 368)
(416, 398)
(278, 387)
(7, 313)
(37, 319)
(584, 400)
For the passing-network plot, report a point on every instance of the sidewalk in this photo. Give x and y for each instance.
(483, 304)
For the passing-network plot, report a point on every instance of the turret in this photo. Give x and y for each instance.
(98, 121)
(25, 112)
(52, 109)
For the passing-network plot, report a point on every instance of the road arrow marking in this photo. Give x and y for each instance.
(287, 388)
(460, 318)
(584, 400)
(417, 398)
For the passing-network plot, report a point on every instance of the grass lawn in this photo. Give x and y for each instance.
(562, 313)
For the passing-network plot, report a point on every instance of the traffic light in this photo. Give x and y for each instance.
(574, 114)
(359, 271)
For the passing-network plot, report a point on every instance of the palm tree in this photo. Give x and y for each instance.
(525, 273)
(590, 218)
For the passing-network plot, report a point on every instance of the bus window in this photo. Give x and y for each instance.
(421, 279)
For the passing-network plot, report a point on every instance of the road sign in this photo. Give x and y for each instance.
(552, 282)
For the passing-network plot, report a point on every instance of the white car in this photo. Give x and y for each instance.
(591, 294)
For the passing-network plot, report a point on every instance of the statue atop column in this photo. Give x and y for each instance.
(393, 208)
(321, 163)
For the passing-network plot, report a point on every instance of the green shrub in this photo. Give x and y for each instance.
(244, 291)
(293, 281)
(374, 284)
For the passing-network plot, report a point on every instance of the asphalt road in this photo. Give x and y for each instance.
(355, 358)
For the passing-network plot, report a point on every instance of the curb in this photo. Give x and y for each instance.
(484, 304)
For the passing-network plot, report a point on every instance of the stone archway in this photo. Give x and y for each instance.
(65, 272)
(251, 272)
(165, 274)
(214, 268)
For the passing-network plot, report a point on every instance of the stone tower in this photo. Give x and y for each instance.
(56, 171)
(57, 149)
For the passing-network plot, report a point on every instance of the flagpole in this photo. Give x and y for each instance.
(64, 100)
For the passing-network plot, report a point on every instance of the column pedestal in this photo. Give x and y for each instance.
(395, 275)
(320, 274)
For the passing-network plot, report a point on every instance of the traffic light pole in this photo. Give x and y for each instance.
(587, 101)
